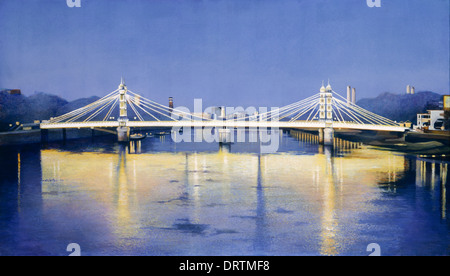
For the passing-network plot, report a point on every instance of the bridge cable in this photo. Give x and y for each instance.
(99, 110)
(88, 110)
(76, 111)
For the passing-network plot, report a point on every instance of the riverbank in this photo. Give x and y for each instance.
(439, 136)
(435, 145)
(37, 136)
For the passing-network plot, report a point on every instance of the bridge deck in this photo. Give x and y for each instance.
(227, 124)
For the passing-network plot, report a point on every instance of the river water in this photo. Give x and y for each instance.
(158, 197)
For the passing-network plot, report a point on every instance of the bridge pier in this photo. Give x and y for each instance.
(225, 136)
(321, 136)
(326, 136)
(123, 134)
(44, 136)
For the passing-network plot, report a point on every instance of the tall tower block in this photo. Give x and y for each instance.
(408, 89)
(354, 95)
(349, 93)
(170, 104)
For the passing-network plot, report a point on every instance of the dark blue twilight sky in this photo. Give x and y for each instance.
(228, 52)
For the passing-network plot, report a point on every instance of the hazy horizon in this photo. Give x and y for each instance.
(340, 92)
(227, 52)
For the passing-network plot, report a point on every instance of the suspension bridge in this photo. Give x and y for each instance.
(123, 109)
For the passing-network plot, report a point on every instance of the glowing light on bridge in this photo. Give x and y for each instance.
(326, 109)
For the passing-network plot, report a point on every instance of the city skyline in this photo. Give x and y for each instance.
(229, 53)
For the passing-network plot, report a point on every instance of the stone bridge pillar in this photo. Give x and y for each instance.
(225, 136)
(326, 135)
(123, 131)
(123, 134)
(321, 136)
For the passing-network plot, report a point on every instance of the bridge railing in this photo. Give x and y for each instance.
(225, 124)
(91, 124)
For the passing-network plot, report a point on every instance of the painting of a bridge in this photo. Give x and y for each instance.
(318, 112)
(224, 132)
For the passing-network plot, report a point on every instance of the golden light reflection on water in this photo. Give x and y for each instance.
(124, 221)
(18, 181)
(341, 183)
(123, 184)
(443, 174)
(329, 223)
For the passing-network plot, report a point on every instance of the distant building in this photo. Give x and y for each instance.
(13, 91)
(238, 115)
(433, 120)
(202, 115)
(407, 124)
(446, 102)
(216, 112)
(353, 95)
(410, 89)
(30, 126)
(349, 94)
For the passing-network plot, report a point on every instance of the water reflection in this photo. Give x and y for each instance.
(123, 226)
(135, 147)
(157, 198)
(329, 223)
(432, 175)
(262, 235)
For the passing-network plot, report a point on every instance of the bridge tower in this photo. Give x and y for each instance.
(123, 131)
(326, 134)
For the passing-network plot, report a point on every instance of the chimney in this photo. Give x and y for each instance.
(171, 102)
(413, 90)
(354, 95)
(349, 92)
(408, 89)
